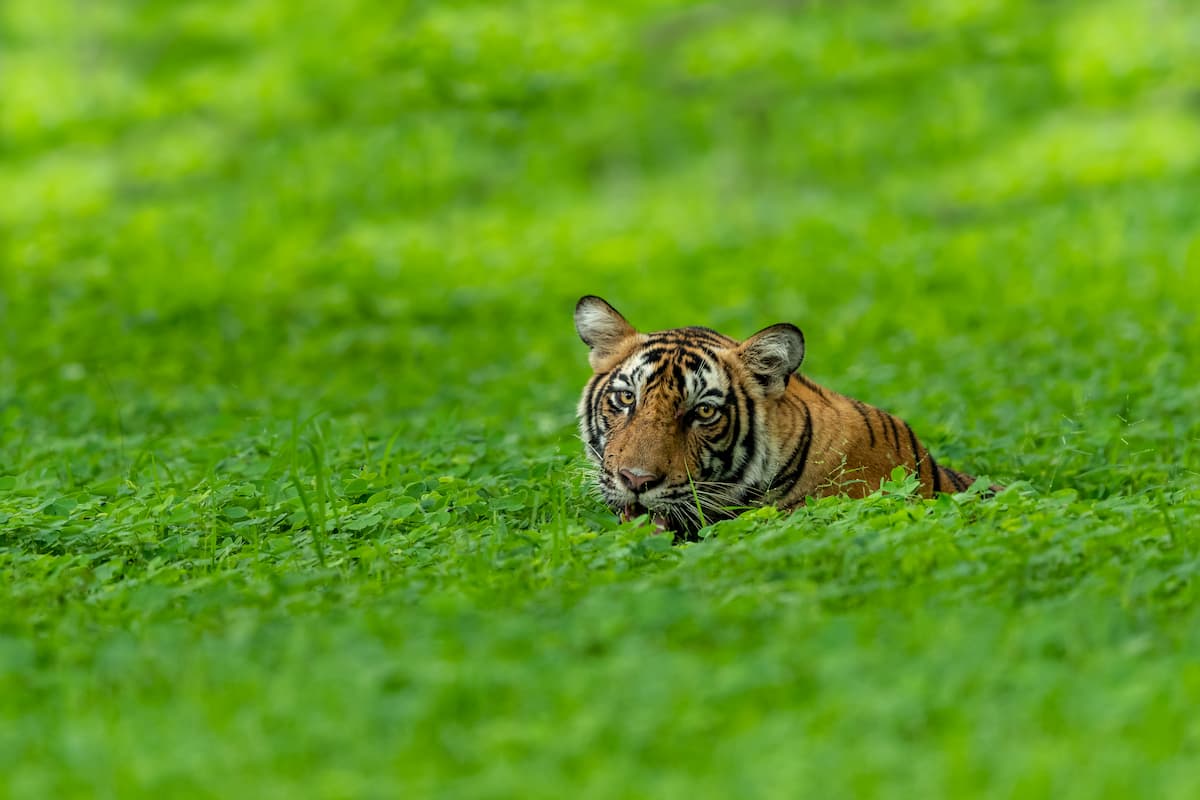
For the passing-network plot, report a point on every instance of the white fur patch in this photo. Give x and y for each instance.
(596, 323)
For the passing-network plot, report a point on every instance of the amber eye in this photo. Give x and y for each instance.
(705, 412)
(624, 398)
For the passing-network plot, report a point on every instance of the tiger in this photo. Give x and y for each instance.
(688, 426)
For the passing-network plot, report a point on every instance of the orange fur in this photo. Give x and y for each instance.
(690, 408)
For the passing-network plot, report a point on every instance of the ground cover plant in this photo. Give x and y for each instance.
(291, 502)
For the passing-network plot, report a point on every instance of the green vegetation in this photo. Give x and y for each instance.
(291, 503)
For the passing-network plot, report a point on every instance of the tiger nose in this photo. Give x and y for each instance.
(638, 479)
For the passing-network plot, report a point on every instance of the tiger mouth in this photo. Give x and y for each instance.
(657, 518)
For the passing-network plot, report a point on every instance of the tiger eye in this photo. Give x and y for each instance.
(706, 411)
(625, 398)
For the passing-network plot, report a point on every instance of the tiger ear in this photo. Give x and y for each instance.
(773, 354)
(601, 327)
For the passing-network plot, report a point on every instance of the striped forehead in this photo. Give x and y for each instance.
(689, 371)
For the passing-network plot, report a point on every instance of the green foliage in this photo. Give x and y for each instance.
(290, 497)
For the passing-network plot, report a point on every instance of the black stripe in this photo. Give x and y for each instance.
(742, 407)
(799, 458)
(957, 479)
(701, 344)
(820, 392)
(589, 417)
(677, 374)
(937, 473)
(596, 418)
(651, 353)
(722, 455)
(953, 480)
(858, 406)
(891, 421)
(883, 424)
(690, 334)
(912, 440)
(738, 428)
(657, 373)
(748, 438)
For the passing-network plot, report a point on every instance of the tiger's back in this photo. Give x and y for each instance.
(691, 426)
(845, 446)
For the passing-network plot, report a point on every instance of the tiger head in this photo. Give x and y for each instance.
(678, 421)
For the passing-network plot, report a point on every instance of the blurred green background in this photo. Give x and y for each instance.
(290, 499)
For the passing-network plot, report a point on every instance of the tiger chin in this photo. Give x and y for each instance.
(689, 426)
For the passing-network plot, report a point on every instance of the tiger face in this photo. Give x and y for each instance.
(675, 419)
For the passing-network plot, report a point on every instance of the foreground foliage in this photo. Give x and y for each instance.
(290, 498)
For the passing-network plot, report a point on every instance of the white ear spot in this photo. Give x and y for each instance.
(595, 322)
(601, 327)
(773, 354)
